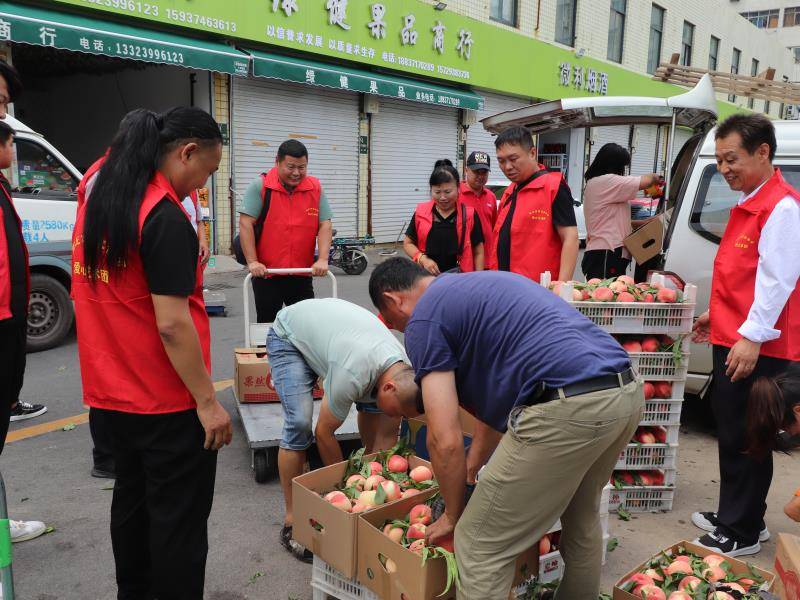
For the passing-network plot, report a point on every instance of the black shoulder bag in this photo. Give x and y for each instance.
(258, 228)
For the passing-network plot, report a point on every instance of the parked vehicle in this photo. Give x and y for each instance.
(697, 202)
(348, 254)
(44, 185)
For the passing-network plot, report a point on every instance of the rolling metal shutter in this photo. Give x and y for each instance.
(617, 134)
(267, 112)
(407, 139)
(644, 150)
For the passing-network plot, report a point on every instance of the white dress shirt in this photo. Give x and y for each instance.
(778, 269)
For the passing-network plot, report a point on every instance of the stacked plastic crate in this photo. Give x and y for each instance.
(644, 478)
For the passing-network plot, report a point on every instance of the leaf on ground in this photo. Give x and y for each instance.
(612, 544)
(49, 529)
(68, 427)
(254, 577)
(25, 499)
(61, 369)
(109, 487)
(623, 514)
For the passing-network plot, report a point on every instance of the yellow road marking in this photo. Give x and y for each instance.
(42, 428)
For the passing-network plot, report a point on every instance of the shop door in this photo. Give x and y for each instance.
(407, 139)
(267, 112)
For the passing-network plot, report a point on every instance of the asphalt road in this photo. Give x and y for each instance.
(47, 478)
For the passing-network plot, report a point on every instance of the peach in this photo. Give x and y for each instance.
(420, 474)
(626, 297)
(650, 344)
(375, 468)
(339, 500)
(649, 391)
(358, 507)
(373, 481)
(391, 566)
(735, 586)
(421, 514)
(689, 583)
(649, 592)
(415, 531)
(392, 490)
(417, 546)
(648, 297)
(720, 596)
(746, 583)
(410, 492)
(393, 533)
(667, 295)
(594, 281)
(618, 287)
(544, 546)
(645, 436)
(632, 346)
(356, 481)
(663, 389)
(397, 464)
(641, 579)
(654, 575)
(678, 566)
(714, 560)
(367, 498)
(577, 295)
(626, 279)
(603, 294)
(714, 574)
(679, 596)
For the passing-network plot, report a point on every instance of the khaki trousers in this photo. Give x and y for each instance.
(552, 463)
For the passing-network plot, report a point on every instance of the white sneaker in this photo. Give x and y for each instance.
(22, 531)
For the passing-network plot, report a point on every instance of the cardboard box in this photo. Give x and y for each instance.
(253, 379)
(417, 430)
(412, 579)
(646, 242)
(336, 544)
(787, 567)
(737, 566)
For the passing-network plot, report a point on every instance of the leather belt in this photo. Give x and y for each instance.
(587, 386)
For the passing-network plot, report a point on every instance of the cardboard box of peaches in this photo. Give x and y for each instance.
(685, 571)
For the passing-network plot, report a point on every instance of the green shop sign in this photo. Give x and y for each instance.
(409, 36)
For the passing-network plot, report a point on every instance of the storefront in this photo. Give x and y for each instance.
(377, 91)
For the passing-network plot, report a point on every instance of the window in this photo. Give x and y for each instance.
(715, 199)
(37, 172)
(688, 42)
(504, 11)
(753, 72)
(796, 52)
(713, 53)
(565, 21)
(791, 16)
(763, 19)
(735, 58)
(656, 36)
(616, 30)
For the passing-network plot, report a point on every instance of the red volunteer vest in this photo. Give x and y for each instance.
(423, 222)
(535, 243)
(5, 267)
(733, 283)
(290, 230)
(124, 366)
(486, 208)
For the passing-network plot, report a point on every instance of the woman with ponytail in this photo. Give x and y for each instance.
(144, 346)
(773, 420)
(444, 233)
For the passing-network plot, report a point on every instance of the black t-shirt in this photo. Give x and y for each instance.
(169, 251)
(441, 245)
(563, 212)
(16, 254)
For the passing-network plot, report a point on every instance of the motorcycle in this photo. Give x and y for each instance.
(348, 254)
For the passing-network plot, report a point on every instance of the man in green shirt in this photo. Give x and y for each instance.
(283, 214)
(359, 360)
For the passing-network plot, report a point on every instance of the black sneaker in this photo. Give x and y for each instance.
(719, 542)
(102, 473)
(707, 521)
(26, 410)
(293, 547)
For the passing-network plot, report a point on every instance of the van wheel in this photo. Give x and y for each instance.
(50, 313)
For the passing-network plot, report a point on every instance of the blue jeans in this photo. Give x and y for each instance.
(293, 380)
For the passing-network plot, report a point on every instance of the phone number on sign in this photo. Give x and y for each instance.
(134, 51)
(194, 19)
(130, 5)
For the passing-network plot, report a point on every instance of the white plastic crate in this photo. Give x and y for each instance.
(665, 413)
(648, 456)
(643, 499)
(672, 433)
(640, 317)
(606, 537)
(660, 366)
(327, 581)
(551, 567)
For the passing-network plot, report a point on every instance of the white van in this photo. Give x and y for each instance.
(699, 200)
(44, 187)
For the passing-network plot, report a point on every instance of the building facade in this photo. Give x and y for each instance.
(377, 90)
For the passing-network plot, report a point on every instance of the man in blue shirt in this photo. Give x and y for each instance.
(556, 402)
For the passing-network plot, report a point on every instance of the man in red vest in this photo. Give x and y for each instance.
(536, 230)
(284, 212)
(753, 322)
(474, 193)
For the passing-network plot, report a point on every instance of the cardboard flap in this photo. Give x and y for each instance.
(646, 242)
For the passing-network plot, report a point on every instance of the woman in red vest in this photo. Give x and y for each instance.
(753, 322)
(143, 343)
(444, 233)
